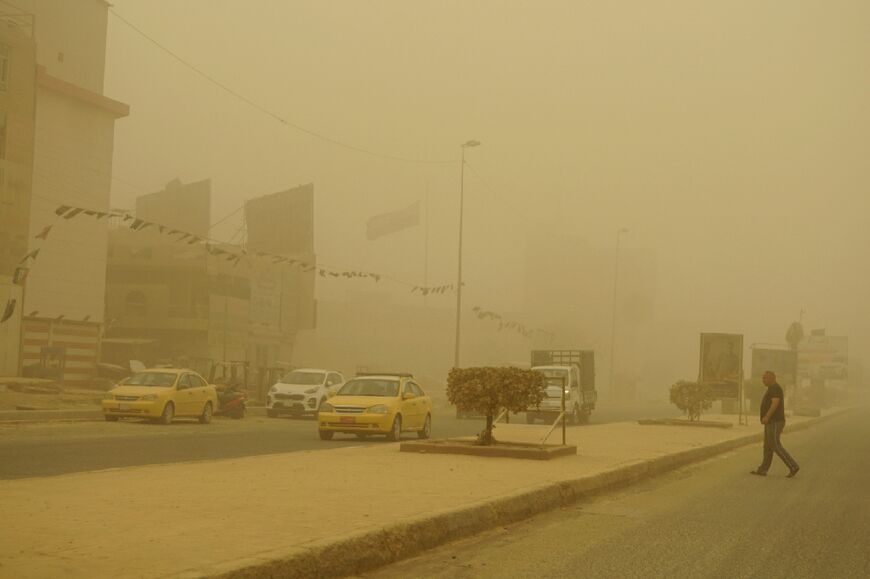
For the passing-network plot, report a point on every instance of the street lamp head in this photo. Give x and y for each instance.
(471, 143)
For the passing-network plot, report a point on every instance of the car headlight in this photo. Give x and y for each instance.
(378, 409)
(311, 390)
(326, 407)
(150, 397)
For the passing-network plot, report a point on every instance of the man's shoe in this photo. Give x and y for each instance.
(791, 473)
(759, 473)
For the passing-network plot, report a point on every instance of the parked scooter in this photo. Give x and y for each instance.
(232, 400)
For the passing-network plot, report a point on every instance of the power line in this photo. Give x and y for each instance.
(268, 112)
(12, 5)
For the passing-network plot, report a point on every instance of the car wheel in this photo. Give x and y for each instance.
(271, 413)
(396, 431)
(530, 418)
(240, 413)
(426, 432)
(325, 434)
(110, 418)
(206, 415)
(168, 414)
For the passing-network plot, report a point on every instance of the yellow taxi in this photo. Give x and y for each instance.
(162, 394)
(377, 404)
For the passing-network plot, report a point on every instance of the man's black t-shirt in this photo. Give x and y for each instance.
(773, 391)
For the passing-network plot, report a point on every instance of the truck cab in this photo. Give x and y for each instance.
(573, 371)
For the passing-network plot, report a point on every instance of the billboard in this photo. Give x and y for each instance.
(721, 365)
(777, 360)
(824, 358)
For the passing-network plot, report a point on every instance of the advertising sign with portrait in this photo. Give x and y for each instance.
(722, 364)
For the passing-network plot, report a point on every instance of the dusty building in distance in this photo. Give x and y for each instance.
(175, 296)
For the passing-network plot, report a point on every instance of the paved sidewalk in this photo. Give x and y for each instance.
(282, 514)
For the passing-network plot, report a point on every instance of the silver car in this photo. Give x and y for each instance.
(302, 391)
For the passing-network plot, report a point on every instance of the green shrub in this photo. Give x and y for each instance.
(691, 398)
(488, 390)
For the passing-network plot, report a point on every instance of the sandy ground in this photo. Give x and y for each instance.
(194, 519)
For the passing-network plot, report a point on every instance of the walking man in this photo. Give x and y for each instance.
(773, 418)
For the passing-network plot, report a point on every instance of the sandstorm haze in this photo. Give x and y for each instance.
(730, 139)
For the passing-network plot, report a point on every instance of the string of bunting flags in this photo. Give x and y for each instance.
(504, 324)
(235, 253)
(231, 252)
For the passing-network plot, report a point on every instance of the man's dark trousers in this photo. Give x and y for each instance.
(772, 430)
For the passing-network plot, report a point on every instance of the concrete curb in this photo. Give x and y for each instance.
(31, 416)
(369, 550)
(27, 416)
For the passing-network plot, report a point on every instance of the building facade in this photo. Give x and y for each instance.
(17, 133)
(72, 159)
(190, 300)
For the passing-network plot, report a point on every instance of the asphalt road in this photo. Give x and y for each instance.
(712, 519)
(59, 448)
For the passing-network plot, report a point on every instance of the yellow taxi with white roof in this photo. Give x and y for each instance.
(162, 394)
(369, 404)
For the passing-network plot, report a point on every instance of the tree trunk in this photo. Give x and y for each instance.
(486, 435)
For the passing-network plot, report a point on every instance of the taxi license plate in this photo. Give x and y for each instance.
(348, 419)
(123, 406)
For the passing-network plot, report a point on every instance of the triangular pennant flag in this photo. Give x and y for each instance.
(136, 223)
(101, 214)
(127, 217)
(44, 233)
(32, 255)
(161, 228)
(73, 212)
(62, 209)
(10, 309)
(90, 212)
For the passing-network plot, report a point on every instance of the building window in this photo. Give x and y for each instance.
(135, 304)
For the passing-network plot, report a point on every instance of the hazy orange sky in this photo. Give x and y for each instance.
(731, 138)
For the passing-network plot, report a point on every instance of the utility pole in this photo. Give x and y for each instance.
(459, 261)
(619, 233)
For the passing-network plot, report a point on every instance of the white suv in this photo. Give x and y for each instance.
(302, 391)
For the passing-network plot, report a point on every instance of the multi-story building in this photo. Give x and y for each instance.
(64, 294)
(191, 300)
(17, 93)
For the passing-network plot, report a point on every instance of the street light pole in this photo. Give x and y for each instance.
(619, 233)
(459, 260)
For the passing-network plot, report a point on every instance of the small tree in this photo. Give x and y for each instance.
(488, 390)
(691, 398)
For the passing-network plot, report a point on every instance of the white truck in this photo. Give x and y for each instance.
(572, 371)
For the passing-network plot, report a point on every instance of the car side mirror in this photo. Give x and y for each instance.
(408, 396)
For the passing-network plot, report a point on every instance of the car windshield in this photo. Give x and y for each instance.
(305, 378)
(370, 388)
(164, 379)
(555, 379)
